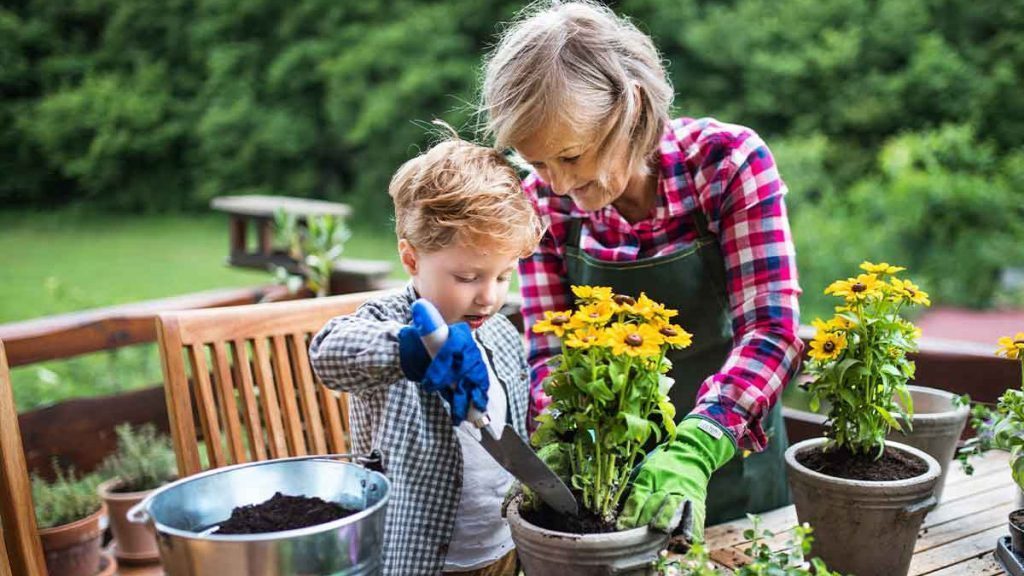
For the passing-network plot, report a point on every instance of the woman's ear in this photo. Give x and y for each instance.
(407, 253)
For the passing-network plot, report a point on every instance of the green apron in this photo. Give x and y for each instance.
(692, 281)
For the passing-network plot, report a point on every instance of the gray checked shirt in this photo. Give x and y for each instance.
(358, 353)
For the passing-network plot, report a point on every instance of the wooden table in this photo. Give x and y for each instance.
(956, 539)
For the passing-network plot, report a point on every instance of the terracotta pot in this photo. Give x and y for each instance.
(74, 549)
(134, 542)
(862, 527)
(108, 565)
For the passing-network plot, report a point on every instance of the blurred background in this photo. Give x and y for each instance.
(898, 126)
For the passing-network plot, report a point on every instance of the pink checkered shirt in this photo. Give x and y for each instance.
(727, 173)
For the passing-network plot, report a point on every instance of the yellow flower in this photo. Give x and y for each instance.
(1012, 348)
(594, 313)
(586, 338)
(863, 287)
(634, 339)
(827, 346)
(623, 303)
(592, 293)
(883, 268)
(675, 336)
(836, 324)
(555, 322)
(644, 307)
(910, 291)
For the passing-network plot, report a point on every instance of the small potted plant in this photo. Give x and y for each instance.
(1003, 428)
(787, 561)
(609, 392)
(144, 461)
(866, 497)
(69, 516)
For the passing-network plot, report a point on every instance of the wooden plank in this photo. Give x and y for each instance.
(69, 335)
(268, 401)
(964, 507)
(964, 527)
(307, 393)
(250, 413)
(264, 206)
(332, 414)
(987, 565)
(731, 533)
(286, 396)
(228, 403)
(963, 550)
(178, 396)
(207, 405)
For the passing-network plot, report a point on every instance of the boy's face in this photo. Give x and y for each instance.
(464, 283)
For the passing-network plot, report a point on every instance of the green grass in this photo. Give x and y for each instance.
(67, 261)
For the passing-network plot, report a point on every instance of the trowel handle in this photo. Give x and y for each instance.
(433, 332)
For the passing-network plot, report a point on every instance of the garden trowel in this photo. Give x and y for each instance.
(506, 447)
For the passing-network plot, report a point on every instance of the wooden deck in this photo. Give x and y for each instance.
(956, 539)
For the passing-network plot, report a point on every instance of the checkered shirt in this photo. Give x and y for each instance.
(727, 173)
(358, 353)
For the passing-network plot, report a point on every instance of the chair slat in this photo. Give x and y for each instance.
(228, 402)
(22, 550)
(178, 395)
(268, 400)
(332, 420)
(307, 393)
(286, 394)
(251, 414)
(207, 405)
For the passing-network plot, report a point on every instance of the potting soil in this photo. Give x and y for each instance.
(282, 513)
(841, 463)
(547, 518)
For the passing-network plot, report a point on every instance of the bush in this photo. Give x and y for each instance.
(67, 499)
(144, 459)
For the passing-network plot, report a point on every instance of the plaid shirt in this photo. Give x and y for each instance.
(358, 353)
(727, 173)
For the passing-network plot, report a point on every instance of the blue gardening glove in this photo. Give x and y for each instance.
(457, 373)
(672, 483)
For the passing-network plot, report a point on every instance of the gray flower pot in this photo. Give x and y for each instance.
(937, 425)
(549, 553)
(862, 527)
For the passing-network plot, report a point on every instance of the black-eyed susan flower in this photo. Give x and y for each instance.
(863, 287)
(1012, 348)
(827, 346)
(553, 322)
(675, 336)
(643, 307)
(598, 312)
(835, 324)
(592, 293)
(588, 337)
(882, 268)
(909, 291)
(634, 339)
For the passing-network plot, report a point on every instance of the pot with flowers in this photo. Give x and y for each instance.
(609, 391)
(865, 497)
(1003, 428)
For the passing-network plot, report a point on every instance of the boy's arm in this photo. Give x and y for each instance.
(358, 352)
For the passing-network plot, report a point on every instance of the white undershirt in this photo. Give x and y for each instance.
(481, 535)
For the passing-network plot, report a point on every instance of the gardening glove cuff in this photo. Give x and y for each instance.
(459, 373)
(671, 486)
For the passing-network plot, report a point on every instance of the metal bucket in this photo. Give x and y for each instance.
(183, 514)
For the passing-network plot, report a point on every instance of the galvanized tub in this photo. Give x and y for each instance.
(183, 513)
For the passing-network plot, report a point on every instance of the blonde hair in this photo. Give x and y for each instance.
(580, 63)
(458, 192)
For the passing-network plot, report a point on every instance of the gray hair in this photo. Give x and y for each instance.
(579, 63)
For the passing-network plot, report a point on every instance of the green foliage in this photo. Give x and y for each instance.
(859, 359)
(609, 391)
(316, 246)
(789, 561)
(66, 499)
(144, 459)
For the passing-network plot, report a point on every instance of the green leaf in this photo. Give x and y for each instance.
(887, 417)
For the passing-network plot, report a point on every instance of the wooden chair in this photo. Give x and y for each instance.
(20, 549)
(251, 386)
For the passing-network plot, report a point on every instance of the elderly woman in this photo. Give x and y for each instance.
(689, 211)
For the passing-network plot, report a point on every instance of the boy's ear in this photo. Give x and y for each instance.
(407, 253)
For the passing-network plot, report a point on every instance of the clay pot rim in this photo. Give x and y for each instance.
(91, 518)
(106, 490)
(907, 484)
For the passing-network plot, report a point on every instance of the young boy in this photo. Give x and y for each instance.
(462, 224)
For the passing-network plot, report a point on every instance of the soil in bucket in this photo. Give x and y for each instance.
(842, 463)
(281, 513)
(587, 522)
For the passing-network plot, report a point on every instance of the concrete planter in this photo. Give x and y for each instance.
(862, 527)
(937, 425)
(549, 553)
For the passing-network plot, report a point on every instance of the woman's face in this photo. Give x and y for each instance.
(567, 160)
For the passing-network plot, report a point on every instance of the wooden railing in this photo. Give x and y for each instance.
(80, 432)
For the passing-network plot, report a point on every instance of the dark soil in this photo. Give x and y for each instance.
(282, 513)
(548, 518)
(1017, 518)
(841, 463)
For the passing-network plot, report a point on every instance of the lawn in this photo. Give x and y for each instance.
(65, 261)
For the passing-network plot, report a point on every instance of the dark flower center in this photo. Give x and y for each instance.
(829, 346)
(668, 331)
(858, 287)
(594, 315)
(1018, 342)
(559, 320)
(623, 299)
(634, 340)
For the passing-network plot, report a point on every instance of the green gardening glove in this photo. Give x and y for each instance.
(672, 483)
